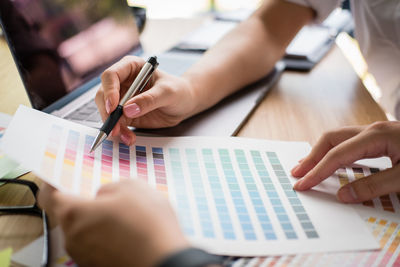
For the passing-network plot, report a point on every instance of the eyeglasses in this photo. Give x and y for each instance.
(30, 210)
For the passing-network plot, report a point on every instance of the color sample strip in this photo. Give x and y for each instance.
(358, 174)
(67, 173)
(255, 197)
(386, 202)
(124, 166)
(386, 232)
(273, 196)
(141, 162)
(218, 195)
(291, 195)
(159, 169)
(50, 154)
(386, 237)
(206, 224)
(237, 197)
(343, 177)
(106, 162)
(87, 167)
(183, 207)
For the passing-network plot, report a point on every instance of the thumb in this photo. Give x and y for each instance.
(378, 184)
(58, 205)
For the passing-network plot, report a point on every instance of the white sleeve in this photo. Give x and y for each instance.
(322, 8)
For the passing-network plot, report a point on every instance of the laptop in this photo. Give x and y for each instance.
(62, 47)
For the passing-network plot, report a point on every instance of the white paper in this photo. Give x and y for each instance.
(6, 164)
(308, 41)
(233, 196)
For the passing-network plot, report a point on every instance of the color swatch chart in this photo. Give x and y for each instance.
(232, 196)
(389, 202)
(385, 230)
(150, 165)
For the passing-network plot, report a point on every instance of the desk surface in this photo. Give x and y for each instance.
(300, 107)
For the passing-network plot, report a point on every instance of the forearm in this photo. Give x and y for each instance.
(247, 53)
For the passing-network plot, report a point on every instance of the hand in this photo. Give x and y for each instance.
(347, 145)
(127, 224)
(167, 99)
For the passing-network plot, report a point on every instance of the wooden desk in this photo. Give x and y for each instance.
(300, 107)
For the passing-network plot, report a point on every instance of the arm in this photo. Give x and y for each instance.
(247, 53)
(243, 56)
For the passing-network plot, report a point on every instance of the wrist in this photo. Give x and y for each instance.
(166, 245)
(196, 90)
(190, 257)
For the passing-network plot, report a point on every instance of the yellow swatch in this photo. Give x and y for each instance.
(5, 257)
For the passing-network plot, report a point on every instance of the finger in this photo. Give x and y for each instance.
(147, 102)
(45, 196)
(114, 76)
(378, 184)
(58, 205)
(324, 144)
(127, 136)
(347, 152)
(116, 130)
(99, 100)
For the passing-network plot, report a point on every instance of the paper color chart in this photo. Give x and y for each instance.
(385, 229)
(232, 196)
(389, 202)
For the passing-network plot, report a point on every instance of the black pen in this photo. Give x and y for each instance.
(137, 86)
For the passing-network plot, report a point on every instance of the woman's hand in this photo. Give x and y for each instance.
(166, 101)
(347, 145)
(127, 224)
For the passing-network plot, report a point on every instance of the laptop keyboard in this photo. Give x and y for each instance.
(87, 112)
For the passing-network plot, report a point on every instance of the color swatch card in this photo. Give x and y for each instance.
(233, 196)
(390, 202)
(385, 228)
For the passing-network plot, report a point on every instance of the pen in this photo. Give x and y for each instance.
(137, 86)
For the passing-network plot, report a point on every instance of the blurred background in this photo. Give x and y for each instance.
(162, 9)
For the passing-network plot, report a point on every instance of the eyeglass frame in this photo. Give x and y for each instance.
(32, 210)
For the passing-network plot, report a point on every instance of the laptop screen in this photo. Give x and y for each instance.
(60, 44)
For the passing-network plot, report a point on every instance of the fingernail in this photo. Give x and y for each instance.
(125, 139)
(297, 186)
(108, 106)
(347, 194)
(131, 110)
